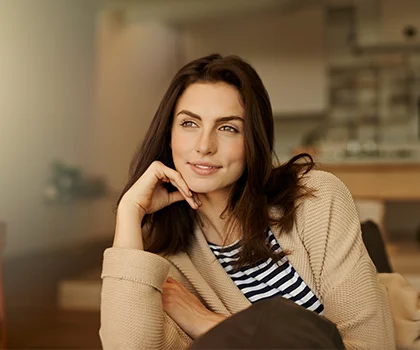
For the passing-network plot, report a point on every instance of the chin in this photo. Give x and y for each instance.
(202, 188)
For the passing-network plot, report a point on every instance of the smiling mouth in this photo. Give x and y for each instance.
(205, 166)
(201, 169)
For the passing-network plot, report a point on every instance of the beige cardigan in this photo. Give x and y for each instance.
(327, 252)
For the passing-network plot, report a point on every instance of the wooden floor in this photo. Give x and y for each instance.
(33, 318)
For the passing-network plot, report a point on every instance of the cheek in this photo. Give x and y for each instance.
(180, 144)
(238, 152)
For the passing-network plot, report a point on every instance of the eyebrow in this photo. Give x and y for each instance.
(221, 119)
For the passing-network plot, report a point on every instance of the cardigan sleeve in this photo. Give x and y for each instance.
(353, 297)
(132, 315)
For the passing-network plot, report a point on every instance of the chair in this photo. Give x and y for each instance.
(375, 245)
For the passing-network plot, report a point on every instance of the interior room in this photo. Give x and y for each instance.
(82, 79)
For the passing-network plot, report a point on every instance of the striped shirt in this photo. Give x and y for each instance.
(267, 279)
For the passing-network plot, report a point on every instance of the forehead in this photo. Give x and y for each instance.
(211, 99)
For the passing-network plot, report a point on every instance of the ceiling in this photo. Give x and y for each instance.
(181, 11)
(190, 11)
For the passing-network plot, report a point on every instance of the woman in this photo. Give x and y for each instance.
(206, 225)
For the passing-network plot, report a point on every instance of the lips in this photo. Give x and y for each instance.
(204, 168)
(205, 165)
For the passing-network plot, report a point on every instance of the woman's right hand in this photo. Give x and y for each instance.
(149, 194)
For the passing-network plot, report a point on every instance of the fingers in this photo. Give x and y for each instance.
(167, 174)
(175, 292)
(172, 287)
(196, 199)
(189, 198)
(179, 196)
(170, 283)
(175, 196)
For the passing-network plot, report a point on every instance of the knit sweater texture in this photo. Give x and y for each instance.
(326, 249)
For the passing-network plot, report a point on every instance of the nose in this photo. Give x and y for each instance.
(206, 144)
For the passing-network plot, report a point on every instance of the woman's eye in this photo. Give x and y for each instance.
(187, 124)
(228, 128)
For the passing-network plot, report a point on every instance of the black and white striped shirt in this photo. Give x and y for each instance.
(268, 278)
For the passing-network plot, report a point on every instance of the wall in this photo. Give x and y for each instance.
(137, 59)
(286, 49)
(46, 103)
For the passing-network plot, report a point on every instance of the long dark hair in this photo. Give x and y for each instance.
(261, 186)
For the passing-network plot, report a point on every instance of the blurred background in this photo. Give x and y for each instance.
(81, 79)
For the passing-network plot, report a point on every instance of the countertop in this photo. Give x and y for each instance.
(381, 180)
(369, 165)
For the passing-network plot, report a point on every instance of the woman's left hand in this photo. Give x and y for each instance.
(186, 310)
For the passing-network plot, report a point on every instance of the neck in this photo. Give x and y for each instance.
(213, 225)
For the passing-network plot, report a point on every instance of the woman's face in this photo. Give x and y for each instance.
(208, 137)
